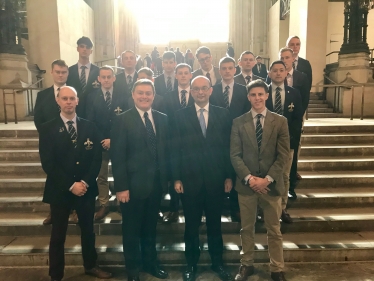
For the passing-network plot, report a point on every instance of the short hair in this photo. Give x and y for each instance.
(168, 55)
(225, 60)
(106, 67)
(258, 58)
(143, 82)
(246, 53)
(277, 62)
(177, 48)
(202, 50)
(290, 38)
(201, 76)
(86, 41)
(61, 63)
(128, 51)
(259, 83)
(183, 65)
(285, 49)
(146, 70)
(67, 87)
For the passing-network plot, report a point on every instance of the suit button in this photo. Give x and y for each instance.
(77, 163)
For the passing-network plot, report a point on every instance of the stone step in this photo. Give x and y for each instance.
(21, 184)
(16, 169)
(305, 220)
(13, 143)
(24, 155)
(336, 139)
(324, 115)
(23, 134)
(307, 198)
(318, 105)
(300, 247)
(317, 102)
(320, 110)
(337, 126)
(335, 164)
(316, 97)
(342, 151)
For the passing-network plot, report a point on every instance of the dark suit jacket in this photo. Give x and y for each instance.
(99, 113)
(300, 82)
(262, 73)
(293, 111)
(46, 107)
(270, 160)
(131, 154)
(304, 66)
(92, 83)
(158, 103)
(122, 86)
(239, 102)
(216, 73)
(160, 85)
(64, 164)
(240, 79)
(197, 161)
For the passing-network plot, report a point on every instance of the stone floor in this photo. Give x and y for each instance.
(363, 271)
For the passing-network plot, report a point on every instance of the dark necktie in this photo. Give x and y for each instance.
(202, 121)
(129, 82)
(208, 76)
(58, 92)
(259, 67)
(168, 85)
(248, 78)
(183, 98)
(259, 131)
(293, 65)
(151, 135)
(72, 132)
(278, 101)
(226, 96)
(108, 99)
(82, 78)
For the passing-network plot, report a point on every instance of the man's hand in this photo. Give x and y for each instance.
(106, 144)
(123, 196)
(259, 185)
(178, 186)
(79, 189)
(228, 185)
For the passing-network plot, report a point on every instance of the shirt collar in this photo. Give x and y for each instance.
(187, 89)
(254, 113)
(88, 65)
(110, 90)
(141, 112)
(297, 58)
(55, 87)
(245, 75)
(64, 119)
(291, 71)
(231, 85)
(131, 74)
(273, 86)
(210, 71)
(171, 75)
(205, 107)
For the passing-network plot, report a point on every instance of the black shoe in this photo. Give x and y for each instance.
(292, 195)
(156, 271)
(160, 216)
(285, 217)
(133, 278)
(55, 279)
(222, 273)
(260, 215)
(190, 273)
(244, 272)
(171, 217)
(235, 217)
(278, 276)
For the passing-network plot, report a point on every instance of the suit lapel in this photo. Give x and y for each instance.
(287, 101)
(250, 129)
(195, 120)
(267, 129)
(138, 122)
(269, 102)
(91, 75)
(190, 100)
(212, 118)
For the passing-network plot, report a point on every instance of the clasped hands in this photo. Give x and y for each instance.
(178, 186)
(259, 185)
(79, 189)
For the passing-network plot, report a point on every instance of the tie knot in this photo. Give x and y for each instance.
(58, 89)
(129, 76)
(208, 74)
(70, 122)
(107, 93)
(248, 77)
(201, 110)
(169, 78)
(184, 92)
(83, 67)
(278, 89)
(146, 114)
(227, 87)
(259, 116)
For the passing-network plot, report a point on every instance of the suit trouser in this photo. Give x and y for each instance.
(296, 156)
(139, 222)
(85, 207)
(286, 179)
(234, 202)
(174, 199)
(271, 205)
(102, 180)
(193, 207)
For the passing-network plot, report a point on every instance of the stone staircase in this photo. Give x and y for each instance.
(333, 216)
(319, 108)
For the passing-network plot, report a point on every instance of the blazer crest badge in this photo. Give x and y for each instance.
(95, 84)
(291, 107)
(118, 110)
(88, 145)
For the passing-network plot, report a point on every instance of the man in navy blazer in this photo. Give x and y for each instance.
(70, 153)
(260, 69)
(125, 80)
(166, 82)
(83, 75)
(246, 63)
(232, 96)
(291, 108)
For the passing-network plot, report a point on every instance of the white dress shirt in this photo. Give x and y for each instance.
(132, 76)
(245, 75)
(64, 119)
(212, 75)
(290, 78)
(296, 62)
(231, 85)
(205, 113)
(282, 92)
(187, 94)
(87, 70)
(150, 116)
(110, 91)
(55, 87)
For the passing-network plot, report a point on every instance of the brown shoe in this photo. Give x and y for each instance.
(285, 217)
(298, 177)
(48, 220)
(244, 273)
(73, 217)
(171, 217)
(98, 272)
(102, 213)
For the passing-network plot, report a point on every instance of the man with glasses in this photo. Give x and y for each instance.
(206, 68)
(201, 172)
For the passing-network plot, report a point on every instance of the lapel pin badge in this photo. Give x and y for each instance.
(61, 129)
(88, 144)
(118, 110)
(95, 84)
(291, 107)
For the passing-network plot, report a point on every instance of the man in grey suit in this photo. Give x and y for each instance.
(259, 151)
(206, 67)
(246, 62)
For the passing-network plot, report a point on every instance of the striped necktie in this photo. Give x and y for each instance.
(129, 82)
(278, 101)
(108, 99)
(208, 76)
(183, 98)
(259, 131)
(248, 78)
(82, 78)
(72, 132)
(151, 135)
(226, 96)
(168, 84)
(202, 121)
